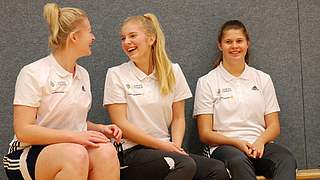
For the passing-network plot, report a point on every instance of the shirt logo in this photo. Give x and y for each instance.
(134, 86)
(226, 90)
(135, 89)
(62, 83)
(225, 93)
(254, 88)
(58, 83)
(52, 84)
(137, 86)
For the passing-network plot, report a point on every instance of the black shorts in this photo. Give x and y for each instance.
(21, 164)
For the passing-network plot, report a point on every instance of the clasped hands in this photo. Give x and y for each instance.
(254, 150)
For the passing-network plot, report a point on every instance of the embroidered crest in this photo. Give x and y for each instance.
(52, 84)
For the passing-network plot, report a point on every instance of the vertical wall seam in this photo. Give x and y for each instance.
(302, 87)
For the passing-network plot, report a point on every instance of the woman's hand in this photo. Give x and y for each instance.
(90, 138)
(180, 149)
(257, 149)
(171, 147)
(244, 146)
(112, 131)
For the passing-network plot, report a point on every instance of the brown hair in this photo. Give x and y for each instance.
(232, 24)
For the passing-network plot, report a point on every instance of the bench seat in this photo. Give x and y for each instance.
(302, 174)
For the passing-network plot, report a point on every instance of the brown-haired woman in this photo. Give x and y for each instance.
(237, 112)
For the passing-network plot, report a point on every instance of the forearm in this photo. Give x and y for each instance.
(93, 126)
(137, 136)
(272, 128)
(215, 138)
(28, 131)
(270, 134)
(35, 134)
(177, 131)
(209, 136)
(118, 116)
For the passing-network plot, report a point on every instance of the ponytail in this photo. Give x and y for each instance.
(51, 14)
(61, 22)
(161, 60)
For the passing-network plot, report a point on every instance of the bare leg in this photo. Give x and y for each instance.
(103, 163)
(62, 161)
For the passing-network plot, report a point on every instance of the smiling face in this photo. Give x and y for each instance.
(135, 42)
(234, 45)
(84, 38)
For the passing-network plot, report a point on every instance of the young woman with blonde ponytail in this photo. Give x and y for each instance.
(145, 98)
(53, 139)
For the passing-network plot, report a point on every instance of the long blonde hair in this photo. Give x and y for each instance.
(61, 22)
(163, 66)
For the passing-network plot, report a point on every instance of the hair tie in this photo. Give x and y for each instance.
(146, 17)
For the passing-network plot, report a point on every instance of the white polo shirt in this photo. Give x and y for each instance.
(63, 100)
(147, 108)
(238, 104)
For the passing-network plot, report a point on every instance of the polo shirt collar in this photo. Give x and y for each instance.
(61, 71)
(229, 77)
(77, 74)
(140, 74)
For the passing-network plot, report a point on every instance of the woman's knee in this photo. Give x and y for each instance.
(283, 157)
(59, 157)
(210, 169)
(220, 170)
(288, 160)
(187, 164)
(105, 153)
(75, 155)
(238, 162)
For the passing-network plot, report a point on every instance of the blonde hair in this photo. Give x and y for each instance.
(61, 22)
(163, 66)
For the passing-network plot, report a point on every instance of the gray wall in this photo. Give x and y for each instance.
(285, 38)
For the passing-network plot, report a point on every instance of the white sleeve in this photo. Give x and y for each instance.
(204, 100)
(270, 98)
(27, 91)
(182, 90)
(113, 89)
